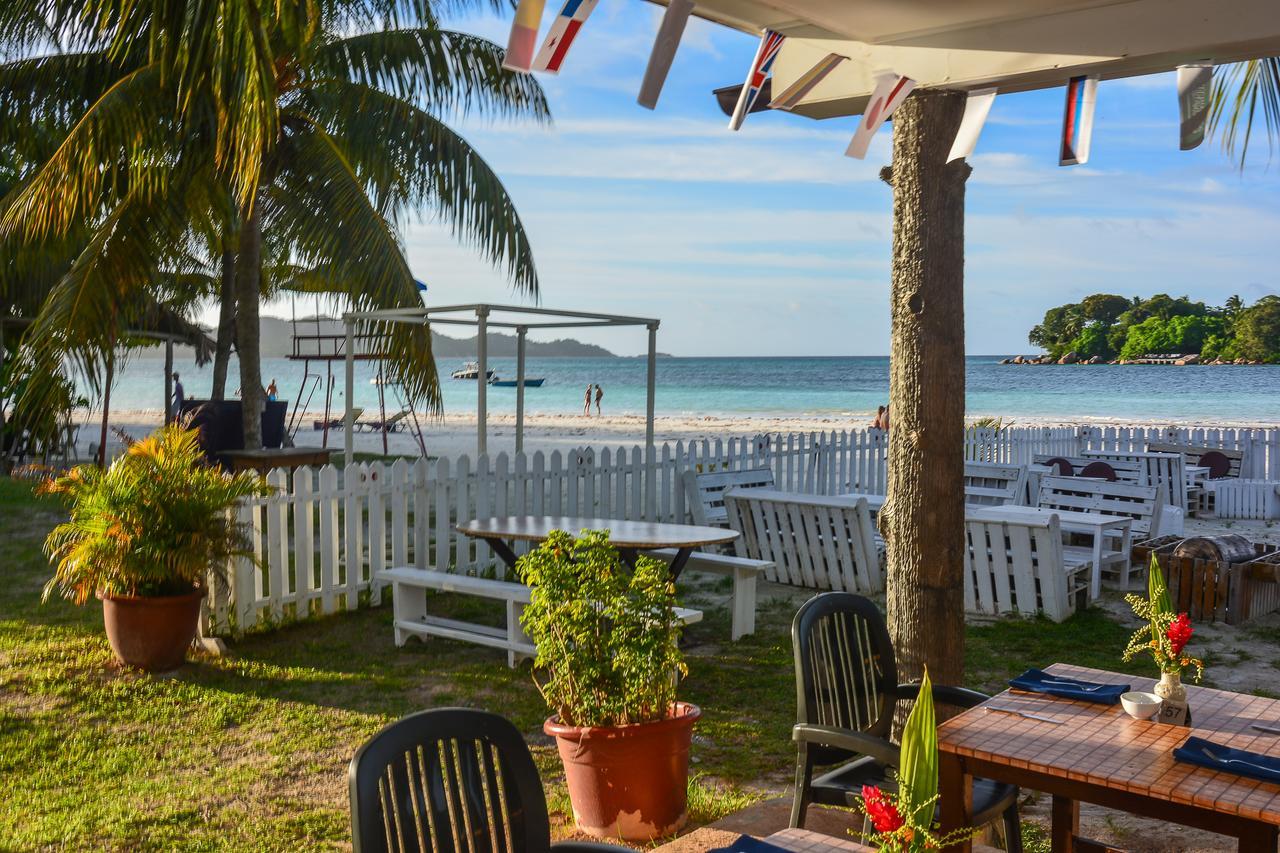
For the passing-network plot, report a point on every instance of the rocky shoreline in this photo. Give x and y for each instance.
(1074, 358)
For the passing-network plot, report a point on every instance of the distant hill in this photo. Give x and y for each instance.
(277, 343)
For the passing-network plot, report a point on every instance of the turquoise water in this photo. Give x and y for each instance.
(795, 386)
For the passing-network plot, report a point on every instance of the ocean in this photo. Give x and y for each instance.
(819, 387)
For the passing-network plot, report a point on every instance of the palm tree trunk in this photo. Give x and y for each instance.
(923, 518)
(106, 405)
(168, 383)
(226, 320)
(248, 293)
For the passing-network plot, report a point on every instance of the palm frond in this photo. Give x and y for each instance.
(412, 159)
(319, 206)
(1245, 93)
(440, 70)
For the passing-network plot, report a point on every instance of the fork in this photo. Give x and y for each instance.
(1213, 757)
(1076, 684)
(1027, 714)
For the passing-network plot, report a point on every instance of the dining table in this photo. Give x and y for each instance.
(629, 537)
(1079, 751)
(1103, 530)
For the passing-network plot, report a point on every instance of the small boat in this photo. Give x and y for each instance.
(471, 370)
(530, 382)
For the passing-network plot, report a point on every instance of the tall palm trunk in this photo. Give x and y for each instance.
(923, 518)
(248, 292)
(226, 319)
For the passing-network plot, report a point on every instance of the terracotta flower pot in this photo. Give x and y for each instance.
(628, 782)
(152, 633)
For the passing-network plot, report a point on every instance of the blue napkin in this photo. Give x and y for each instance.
(747, 844)
(1241, 762)
(1039, 681)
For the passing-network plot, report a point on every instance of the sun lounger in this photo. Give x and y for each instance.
(338, 422)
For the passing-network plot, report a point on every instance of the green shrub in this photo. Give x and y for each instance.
(151, 524)
(607, 636)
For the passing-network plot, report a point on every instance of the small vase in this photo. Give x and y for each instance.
(1174, 694)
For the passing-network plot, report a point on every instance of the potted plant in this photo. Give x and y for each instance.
(1165, 636)
(608, 661)
(142, 536)
(903, 821)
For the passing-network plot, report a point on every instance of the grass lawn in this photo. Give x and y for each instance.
(250, 750)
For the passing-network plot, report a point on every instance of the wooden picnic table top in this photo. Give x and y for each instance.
(640, 535)
(1102, 747)
(275, 457)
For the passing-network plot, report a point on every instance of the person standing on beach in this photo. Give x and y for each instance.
(878, 423)
(599, 397)
(884, 421)
(179, 396)
(272, 391)
(586, 402)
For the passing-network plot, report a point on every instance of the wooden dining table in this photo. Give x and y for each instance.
(1088, 752)
(629, 537)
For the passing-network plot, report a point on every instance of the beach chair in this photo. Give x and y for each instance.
(390, 425)
(339, 422)
(451, 780)
(846, 693)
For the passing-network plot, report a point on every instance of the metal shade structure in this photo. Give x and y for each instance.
(1015, 45)
(483, 317)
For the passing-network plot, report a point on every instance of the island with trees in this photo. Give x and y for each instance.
(1108, 329)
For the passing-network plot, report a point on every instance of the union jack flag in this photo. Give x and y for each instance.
(770, 44)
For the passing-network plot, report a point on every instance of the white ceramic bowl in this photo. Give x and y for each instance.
(1140, 706)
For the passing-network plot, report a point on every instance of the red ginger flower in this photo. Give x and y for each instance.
(884, 815)
(1179, 633)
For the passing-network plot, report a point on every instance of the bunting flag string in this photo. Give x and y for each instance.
(1077, 120)
(562, 33)
(664, 51)
(766, 53)
(976, 107)
(891, 90)
(806, 82)
(1195, 84)
(524, 36)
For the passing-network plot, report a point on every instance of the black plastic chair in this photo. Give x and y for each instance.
(448, 781)
(846, 691)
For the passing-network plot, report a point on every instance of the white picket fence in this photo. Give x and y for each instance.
(323, 535)
(1249, 499)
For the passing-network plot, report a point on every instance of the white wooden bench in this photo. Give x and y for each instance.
(743, 570)
(1144, 504)
(409, 592)
(1127, 471)
(813, 542)
(988, 484)
(704, 493)
(1155, 469)
(1202, 493)
(1018, 567)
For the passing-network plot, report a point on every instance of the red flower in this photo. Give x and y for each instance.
(1179, 633)
(884, 814)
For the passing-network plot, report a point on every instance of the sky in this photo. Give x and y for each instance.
(770, 241)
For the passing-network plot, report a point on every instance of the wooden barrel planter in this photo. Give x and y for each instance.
(1142, 551)
(1221, 578)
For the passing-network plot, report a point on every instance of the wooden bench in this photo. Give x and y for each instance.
(1129, 471)
(1154, 469)
(743, 570)
(811, 541)
(409, 588)
(988, 484)
(1019, 567)
(1144, 504)
(705, 492)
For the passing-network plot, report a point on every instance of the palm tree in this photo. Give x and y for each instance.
(345, 138)
(1240, 93)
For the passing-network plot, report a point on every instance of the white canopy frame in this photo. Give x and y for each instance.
(484, 316)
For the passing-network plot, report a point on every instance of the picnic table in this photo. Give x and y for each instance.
(1103, 529)
(1088, 752)
(629, 537)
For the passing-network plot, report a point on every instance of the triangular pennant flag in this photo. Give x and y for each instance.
(891, 90)
(766, 53)
(1077, 120)
(1195, 84)
(524, 36)
(806, 82)
(664, 51)
(976, 107)
(560, 37)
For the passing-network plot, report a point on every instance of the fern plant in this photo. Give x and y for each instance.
(607, 636)
(154, 523)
